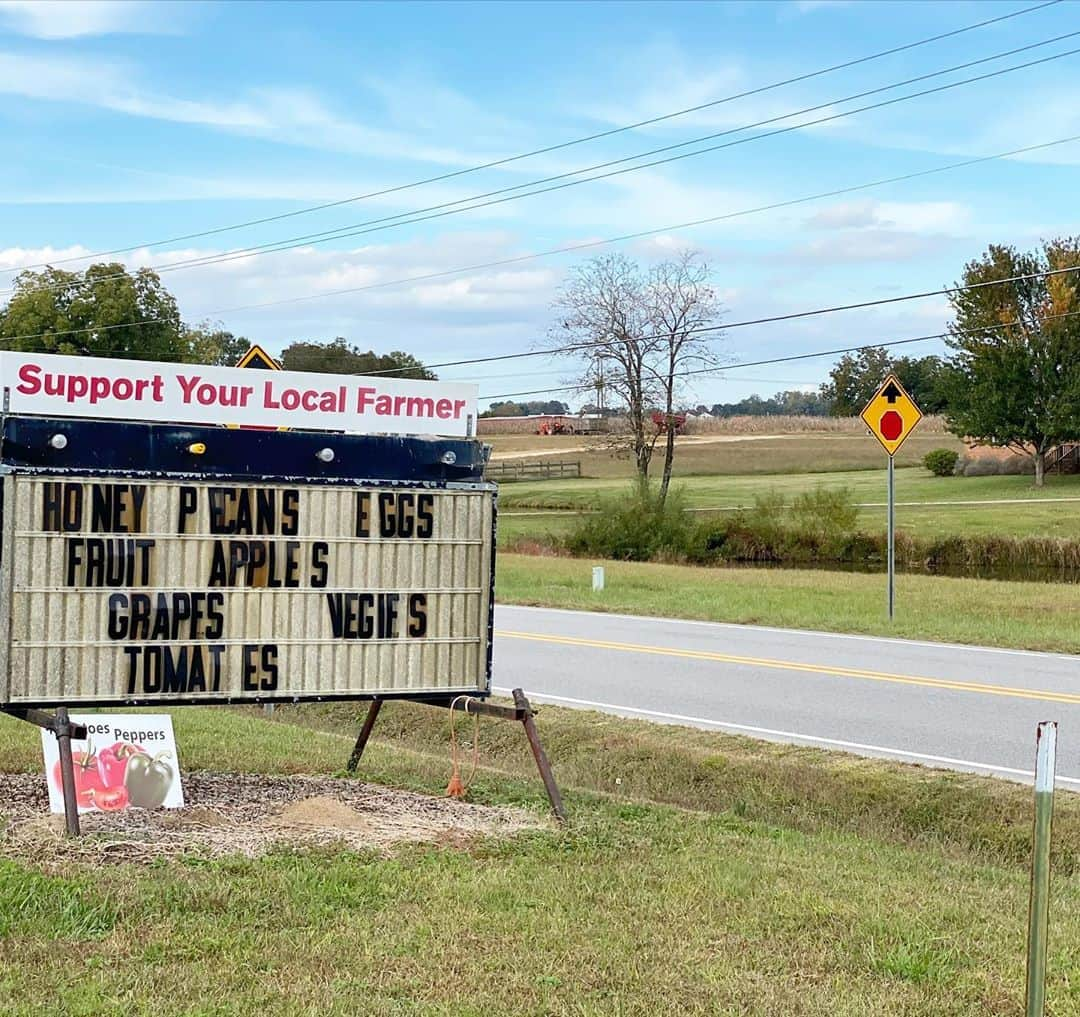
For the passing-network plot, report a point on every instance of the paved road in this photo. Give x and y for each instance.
(960, 707)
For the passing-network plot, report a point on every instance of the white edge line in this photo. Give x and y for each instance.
(786, 735)
(967, 647)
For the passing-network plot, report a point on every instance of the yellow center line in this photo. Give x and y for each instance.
(790, 665)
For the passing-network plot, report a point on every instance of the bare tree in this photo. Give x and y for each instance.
(639, 331)
(681, 303)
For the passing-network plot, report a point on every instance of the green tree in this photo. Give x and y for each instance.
(856, 377)
(340, 357)
(509, 408)
(1014, 378)
(211, 343)
(104, 311)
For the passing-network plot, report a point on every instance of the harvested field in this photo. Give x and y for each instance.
(249, 815)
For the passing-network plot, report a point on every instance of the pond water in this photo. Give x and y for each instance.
(1011, 573)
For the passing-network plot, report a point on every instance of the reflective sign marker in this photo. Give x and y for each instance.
(891, 415)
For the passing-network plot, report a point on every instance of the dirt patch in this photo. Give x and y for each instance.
(248, 815)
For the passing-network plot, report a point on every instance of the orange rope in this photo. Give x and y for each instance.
(457, 787)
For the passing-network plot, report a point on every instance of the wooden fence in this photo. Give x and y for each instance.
(508, 470)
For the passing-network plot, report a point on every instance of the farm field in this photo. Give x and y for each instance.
(728, 454)
(798, 882)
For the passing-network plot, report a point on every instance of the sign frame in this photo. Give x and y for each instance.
(115, 451)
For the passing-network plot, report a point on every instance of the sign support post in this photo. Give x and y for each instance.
(60, 725)
(892, 537)
(62, 730)
(1039, 909)
(891, 415)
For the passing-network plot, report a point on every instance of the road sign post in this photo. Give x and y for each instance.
(1039, 909)
(892, 537)
(891, 415)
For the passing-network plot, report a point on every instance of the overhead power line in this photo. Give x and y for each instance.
(745, 323)
(449, 208)
(549, 148)
(793, 357)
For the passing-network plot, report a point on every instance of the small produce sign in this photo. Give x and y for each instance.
(127, 761)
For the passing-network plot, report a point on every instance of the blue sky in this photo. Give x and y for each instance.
(124, 123)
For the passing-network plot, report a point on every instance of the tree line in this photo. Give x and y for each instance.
(636, 334)
(107, 311)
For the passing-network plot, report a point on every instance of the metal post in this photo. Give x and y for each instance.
(365, 734)
(539, 755)
(892, 538)
(62, 730)
(1039, 910)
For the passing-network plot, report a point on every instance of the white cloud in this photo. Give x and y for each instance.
(62, 19)
(294, 115)
(859, 246)
(914, 216)
(810, 6)
(662, 77)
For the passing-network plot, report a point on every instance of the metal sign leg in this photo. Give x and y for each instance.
(521, 711)
(542, 764)
(892, 538)
(62, 730)
(365, 734)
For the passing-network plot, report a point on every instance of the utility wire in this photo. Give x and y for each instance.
(745, 323)
(447, 209)
(547, 149)
(794, 357)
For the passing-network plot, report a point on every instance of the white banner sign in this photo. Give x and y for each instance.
(56, 386)
(128, 761)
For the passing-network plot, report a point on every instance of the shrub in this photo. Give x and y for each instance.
(941, 462)
(825, 513)
(636, 527)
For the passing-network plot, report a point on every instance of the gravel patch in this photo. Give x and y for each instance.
(247, 815)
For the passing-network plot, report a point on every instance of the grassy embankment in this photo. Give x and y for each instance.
(928, 507)
(794, 882)
(1032, 616)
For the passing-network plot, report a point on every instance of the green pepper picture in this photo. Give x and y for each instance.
(148, 780)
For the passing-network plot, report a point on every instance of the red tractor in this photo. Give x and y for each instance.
(555, 425)
(662, 421)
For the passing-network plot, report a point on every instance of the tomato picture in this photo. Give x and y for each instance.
(87, 778)
(110, 799)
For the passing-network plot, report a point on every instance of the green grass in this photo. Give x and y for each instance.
(1033, 616)
(1036, 517)
(799, 883)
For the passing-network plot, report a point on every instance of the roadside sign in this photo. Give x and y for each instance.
(261, 568)
(891, 415)
(126, 761)
(57, 386)
(256, 358)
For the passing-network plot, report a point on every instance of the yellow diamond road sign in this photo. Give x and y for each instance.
(891, 415)
(259, 359)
